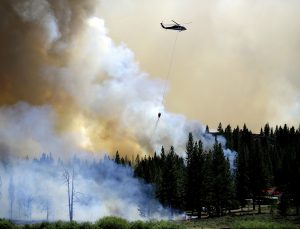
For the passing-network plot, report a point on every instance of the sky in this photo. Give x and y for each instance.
(90, 75)
(238, 61)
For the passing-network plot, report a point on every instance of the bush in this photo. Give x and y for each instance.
(57, 224)
(86, 225)
(42, 225)
(140, 225)
(5, 224)
(61, 224)
(167, 225)
(112, 222)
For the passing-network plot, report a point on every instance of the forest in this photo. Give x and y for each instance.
(203, 181)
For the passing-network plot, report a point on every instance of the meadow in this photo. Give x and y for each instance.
(263, 221)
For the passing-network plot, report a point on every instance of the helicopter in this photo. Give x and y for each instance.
(175, 26)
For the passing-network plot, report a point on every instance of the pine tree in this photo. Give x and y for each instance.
(242, 176)
(220, 129)
(206, 129)
(169, 183)
(189, 173)
(236, 139)
(194, 176)
(222, 184)
(208, 182)
(267, 130)
(257, 174)
(228, 137)
(117, 158)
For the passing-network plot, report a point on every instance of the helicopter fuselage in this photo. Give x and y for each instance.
(174, 27)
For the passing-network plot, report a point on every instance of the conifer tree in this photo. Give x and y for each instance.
(257, 174)
(228, 137)
(208, 181)
(168, 193)
(220, 129)
(222, 185)
(117, 158)
(195, 177)
(189, 172)
(242, 176)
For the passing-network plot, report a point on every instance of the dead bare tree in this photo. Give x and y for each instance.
(47, 208)
(69, 179)
(44, 204)
(11, 196)
(0, 187)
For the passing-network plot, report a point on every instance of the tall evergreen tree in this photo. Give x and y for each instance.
(220, 129)
(257, 174)
(222, 185)
(195, 177)
(208, 182)
(228, 137)
(117, 158)
(170, 184)
(242, 176)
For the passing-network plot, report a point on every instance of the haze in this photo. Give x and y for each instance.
(237, 63)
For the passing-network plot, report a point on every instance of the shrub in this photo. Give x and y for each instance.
(167, 225)
(112, 222)
(58, 224)
(140, 225)
(86, 225)
(5, 224)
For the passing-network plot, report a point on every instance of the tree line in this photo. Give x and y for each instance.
(203, 180)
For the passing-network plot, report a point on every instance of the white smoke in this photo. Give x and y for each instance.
(30, 130)
(231, 156)
(106, 81)
(36, 188)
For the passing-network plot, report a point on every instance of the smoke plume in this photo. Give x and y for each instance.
(65, 85)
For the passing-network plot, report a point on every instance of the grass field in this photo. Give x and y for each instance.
(263, 221)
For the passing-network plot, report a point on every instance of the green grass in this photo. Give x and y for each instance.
(110, 222)
(258, 224)
(264, 221)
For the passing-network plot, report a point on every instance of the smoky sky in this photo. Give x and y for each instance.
(238, 61)
(90, 75)
(67, 86)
